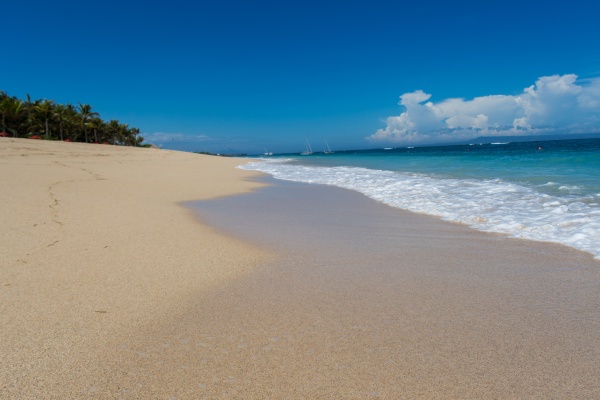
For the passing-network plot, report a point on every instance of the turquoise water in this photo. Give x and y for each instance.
(547, 191)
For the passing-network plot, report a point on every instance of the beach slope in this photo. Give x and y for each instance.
(95, 248)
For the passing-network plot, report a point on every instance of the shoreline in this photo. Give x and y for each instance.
(548, 202)
(367, 300)
(267, 181)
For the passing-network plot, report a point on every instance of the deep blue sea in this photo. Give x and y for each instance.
(545, 191)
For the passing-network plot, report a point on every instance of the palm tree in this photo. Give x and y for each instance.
(60, 112)
(29, 106)
(134, 132)
(86, 113)
(97, 125)
(44, 115)
(45, 110)
(113, 129)
(71, 119)
(4, 107)
(123, 133)
(11, 109)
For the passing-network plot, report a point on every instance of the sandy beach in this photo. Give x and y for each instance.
(117, 282)
(95, 249)
(375, 302)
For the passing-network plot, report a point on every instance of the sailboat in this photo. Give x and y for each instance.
(328, 151)
(268, 153)
(308, 150)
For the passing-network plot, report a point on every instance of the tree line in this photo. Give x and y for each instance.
(49, 120)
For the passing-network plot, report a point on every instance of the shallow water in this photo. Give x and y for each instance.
(545, 191)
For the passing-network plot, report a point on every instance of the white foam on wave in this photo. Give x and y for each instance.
(569, 188)
(487, 205)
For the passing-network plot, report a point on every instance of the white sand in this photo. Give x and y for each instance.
(95, 247)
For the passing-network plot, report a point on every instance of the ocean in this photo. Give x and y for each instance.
(545, 191)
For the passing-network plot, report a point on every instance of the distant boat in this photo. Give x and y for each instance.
(268, 153)
(308, 150)
(388, 148)
(328, 151)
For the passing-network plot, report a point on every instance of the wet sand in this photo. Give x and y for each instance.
(367, 301)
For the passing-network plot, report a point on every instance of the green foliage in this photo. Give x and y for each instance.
(52, 121)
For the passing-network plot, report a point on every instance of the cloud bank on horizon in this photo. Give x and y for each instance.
(557, 104)
(160, 138)
(194, 142)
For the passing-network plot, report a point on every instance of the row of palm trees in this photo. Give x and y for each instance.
(49, 120)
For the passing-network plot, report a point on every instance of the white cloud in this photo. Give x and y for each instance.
(160, 138)
(195, 142)
(555, 104)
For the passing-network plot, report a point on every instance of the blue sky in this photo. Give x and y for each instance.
(242, 76)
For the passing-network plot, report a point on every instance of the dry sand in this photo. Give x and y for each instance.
(110, 289)
(96, 248)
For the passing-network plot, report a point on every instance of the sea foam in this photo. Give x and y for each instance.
(491, 205)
